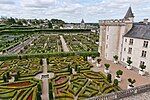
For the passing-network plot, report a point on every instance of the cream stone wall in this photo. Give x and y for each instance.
(111, 39)
(137, 48)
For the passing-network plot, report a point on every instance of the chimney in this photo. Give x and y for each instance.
(145, 21)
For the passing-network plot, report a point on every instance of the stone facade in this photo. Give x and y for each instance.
(136, 52)
(114, 42)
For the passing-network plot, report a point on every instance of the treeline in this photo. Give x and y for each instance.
(32, 22)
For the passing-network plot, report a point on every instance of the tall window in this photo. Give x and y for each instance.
(131, 42)
(124, 49)
(130, 50)
(143, 53)
(106, 45)
(125, 40)
(145, 44)
(107, 37)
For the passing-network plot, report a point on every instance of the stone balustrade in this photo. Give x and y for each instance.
(123, 94)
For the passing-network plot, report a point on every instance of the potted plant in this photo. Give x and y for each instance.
(106, 70)
(118, 73)
(98, 63)
(142, 72)
(115, 83)
(129, 64)
(109, 78)
(93, 60)
(131, 83)
(115, 59)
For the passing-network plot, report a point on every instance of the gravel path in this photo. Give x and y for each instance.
(64, 45)
(45, 85)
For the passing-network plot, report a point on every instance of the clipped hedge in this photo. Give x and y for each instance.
(33, 30)
(47, 55)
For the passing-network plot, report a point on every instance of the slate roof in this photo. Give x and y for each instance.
(82, 21)
(129, 13)
(139, 30)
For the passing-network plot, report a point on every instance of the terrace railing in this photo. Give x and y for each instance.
(123, 94)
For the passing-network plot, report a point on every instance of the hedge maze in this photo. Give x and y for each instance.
(73, 78)
(24, 89)
(79, 85)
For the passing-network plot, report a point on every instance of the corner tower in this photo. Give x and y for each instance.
(129, 15)
(111, 35)
(129, 19)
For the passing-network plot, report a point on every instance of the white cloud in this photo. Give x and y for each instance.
(37, 3)
(7, 2)
(74, 10)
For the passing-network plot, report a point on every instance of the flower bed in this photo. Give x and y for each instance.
(26, 67)
(23, 90)
(10, 40)
(45, 44)
(83, 84)
(82, 42)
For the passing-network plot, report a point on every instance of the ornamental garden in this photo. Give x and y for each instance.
(69, 75)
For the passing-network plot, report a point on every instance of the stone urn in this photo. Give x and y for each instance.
(118, 78)
(129, 67)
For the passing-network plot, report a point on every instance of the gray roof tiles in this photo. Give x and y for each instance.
(129, 13)
(139, 30)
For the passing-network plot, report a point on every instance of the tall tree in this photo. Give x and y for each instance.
(50, 24)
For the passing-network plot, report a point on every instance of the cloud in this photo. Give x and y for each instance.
(37, 3)
(7, 2)
(74, 10)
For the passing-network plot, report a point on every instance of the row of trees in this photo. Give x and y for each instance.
(33, 22)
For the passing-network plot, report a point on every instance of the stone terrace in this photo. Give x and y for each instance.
(140, 80)
(142, 96)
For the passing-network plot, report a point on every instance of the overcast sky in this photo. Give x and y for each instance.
(74, 10)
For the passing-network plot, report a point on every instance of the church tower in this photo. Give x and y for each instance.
(82, 25)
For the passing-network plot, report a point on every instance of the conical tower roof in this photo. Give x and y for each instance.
(82, 21)
(129, 13)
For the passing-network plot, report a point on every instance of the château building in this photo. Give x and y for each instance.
(81, 25)
(127, 39)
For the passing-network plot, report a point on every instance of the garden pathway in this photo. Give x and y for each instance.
(140, 80)
(64, 45)
(45, 85)
(21, 46)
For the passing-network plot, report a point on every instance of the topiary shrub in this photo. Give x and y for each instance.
(16, 77)
(115, 82)
(98, 60)
(109, 77)
(118, 73)
(129, 62)
(131, 82)
(76, 67)
(79, 69)
(107, 66)
(142, 67)
(41, 62)
(115, 57)
(39, 88)
(4, 78)
(8, 75)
